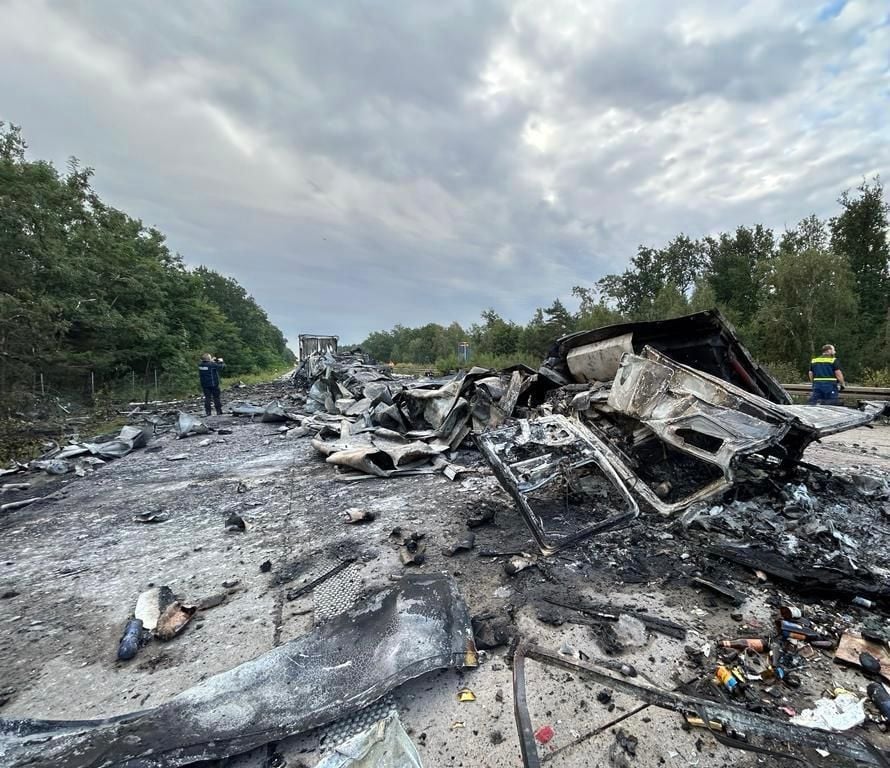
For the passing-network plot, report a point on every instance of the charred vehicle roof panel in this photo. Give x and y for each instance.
(704, 341)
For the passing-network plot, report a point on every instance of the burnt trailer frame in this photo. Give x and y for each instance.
(311, 344)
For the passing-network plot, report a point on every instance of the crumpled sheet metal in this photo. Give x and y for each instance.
(419, 625)
(246, 409)
(374, 455)
(678, 403)
(384, 745)
(424, 418)
(714, 420)
(128, 439)
(187, 425)
(541, 464)
(703, 340)
(437, 403)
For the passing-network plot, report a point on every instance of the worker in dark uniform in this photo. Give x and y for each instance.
(208, 370)
(826, 376)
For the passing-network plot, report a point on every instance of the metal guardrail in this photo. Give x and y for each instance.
(857, 393)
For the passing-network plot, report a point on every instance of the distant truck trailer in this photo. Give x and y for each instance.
(311, 343)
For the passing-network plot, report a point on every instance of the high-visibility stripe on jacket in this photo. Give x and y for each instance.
(823, 368)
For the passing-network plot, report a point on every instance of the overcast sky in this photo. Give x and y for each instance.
(360, 164)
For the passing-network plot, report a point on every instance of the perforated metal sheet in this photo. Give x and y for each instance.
(335, 734)
(331, 598)
(338, 594)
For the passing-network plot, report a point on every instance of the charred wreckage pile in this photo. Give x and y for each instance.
(673, 420)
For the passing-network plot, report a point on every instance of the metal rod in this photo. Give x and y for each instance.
(877, 392)
(853, 747)
(527, 745)
(590, 734)
(293, 594)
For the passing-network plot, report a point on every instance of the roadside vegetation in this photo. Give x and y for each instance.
(93, 304)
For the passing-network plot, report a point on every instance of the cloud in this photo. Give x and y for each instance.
(355, 165)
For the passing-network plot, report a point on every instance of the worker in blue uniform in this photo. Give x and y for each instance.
(208, 370)
(826, 377)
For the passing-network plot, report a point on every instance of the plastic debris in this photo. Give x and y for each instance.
(151, 604)
(544, 734)
(174, 619)
(870, 665)
(516, 564)
(880, 698)
(464, 544)
(465, 694)
(357, 515)
(841, 713)
(131, 640)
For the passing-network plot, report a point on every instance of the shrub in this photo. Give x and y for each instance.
(875, 377)
(785, 372)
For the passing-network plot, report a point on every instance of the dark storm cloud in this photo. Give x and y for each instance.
(356, 165)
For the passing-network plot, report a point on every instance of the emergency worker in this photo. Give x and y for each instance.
(826, 377)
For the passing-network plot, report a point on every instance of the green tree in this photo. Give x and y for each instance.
(810, 300)
(736, 266)
(86, 289)
(496, 336)
(633, 292)
(860, 233)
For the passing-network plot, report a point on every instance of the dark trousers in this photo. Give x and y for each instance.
(824, 393)
(212, 392)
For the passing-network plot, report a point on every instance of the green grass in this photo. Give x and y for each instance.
(256, 378)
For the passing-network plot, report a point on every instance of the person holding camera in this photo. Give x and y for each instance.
(208, 370)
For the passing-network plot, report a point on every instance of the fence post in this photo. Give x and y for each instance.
(93, 384)
(157, 395)
(42, 387)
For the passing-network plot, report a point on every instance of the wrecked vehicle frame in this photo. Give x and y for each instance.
(550, 464)
(675, 412)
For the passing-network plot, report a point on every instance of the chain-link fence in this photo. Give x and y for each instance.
(83, 386)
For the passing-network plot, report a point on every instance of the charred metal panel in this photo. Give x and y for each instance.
(704, 340)
(697, 415)
(419, 625)
(714, 420)
(560, 477)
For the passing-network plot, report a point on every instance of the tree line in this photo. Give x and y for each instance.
(86, 288)
(822, 281)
